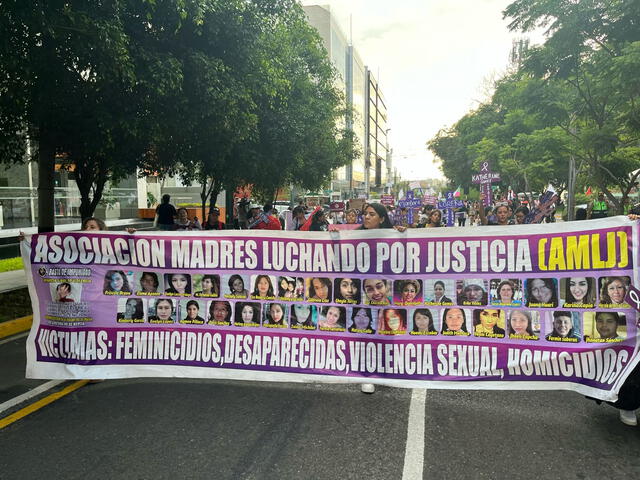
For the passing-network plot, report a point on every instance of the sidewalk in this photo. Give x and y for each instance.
(12, 280)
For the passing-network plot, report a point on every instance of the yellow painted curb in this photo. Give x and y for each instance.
(43, 402)
(18, 325)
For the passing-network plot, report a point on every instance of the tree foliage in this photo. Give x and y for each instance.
(574, 96)
(220, 92)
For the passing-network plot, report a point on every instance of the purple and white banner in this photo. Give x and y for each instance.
(541, 307)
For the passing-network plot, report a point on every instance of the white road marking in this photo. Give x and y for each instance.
(414, 448)
(13, 337)
(30, 394)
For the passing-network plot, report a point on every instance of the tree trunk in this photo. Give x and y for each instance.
(46, 169)
(204, 195)
(88, 181)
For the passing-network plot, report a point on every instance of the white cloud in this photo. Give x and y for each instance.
(433, 57)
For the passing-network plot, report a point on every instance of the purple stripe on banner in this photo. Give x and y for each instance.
(426, 359)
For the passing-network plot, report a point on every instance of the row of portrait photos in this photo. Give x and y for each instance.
(558, 326)
(569, 292)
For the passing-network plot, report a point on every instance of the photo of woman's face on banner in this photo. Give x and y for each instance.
(407, 292)
(162, 310)
(235, 286)
(190, 312)
(439, 292)
(131, 310)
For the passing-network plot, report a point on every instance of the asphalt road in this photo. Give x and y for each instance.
(182, 428)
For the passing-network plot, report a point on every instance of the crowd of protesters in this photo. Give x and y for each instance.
(503, 211)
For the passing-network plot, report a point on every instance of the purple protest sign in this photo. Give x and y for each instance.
(410, 202)
(313, 306)
(485, 178)
(448, 205)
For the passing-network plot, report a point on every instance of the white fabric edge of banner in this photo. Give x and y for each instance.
(122, 371)
(25, 251)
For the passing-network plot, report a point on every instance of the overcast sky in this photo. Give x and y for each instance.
(434, 60)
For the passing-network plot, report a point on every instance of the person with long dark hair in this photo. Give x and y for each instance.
(454, 322)
(303, 316)
(133, 310)
(422, 322)
(319, 289)
(485, 323)
(361, 321)
(275, 315)
(247, 314)
(333, 318)
(219, 313)
(210, 286)
(375, 216)
(116, 281)
(180, 284)
(580, 292)
(192, 317)
(520, 324)
(541, 292)
(347, 290)
(236, 287)
(262, 287)
(149, 282)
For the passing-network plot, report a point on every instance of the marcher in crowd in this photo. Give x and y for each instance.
(213, 220)
(166, 214)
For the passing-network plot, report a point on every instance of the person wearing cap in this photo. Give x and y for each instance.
(263, 220)
(319, 221)
(213, 220)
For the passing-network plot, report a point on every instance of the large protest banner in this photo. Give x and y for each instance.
(541, 307)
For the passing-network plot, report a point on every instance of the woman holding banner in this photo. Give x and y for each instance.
(434, 219)
(375, 216)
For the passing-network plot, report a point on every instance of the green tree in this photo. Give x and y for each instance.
(67, 80)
